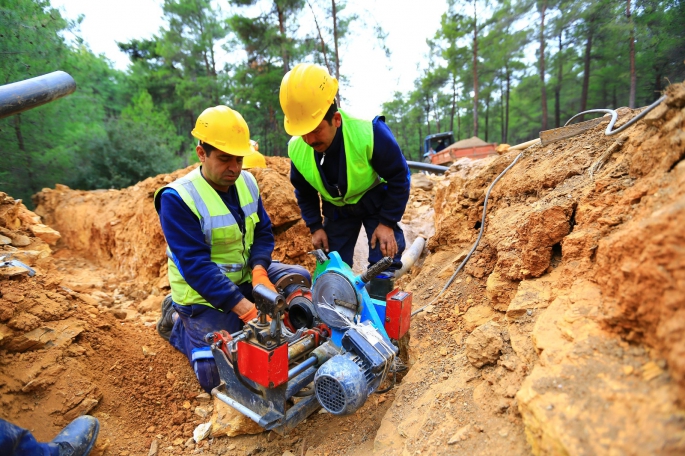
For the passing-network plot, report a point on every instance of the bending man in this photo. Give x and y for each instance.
(219, 242)
(355, 166)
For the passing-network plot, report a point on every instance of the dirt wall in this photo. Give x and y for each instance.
(564, 333)
(120, 229)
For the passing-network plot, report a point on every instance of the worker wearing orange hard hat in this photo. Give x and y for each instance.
(347, 172)
(219, 241)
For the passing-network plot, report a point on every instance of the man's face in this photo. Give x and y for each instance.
(220, 169)
(322, 136)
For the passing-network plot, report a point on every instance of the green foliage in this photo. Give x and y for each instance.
(129, 152)
(509, 95)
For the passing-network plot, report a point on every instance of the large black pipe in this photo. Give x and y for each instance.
(23, 95)
(427, 167)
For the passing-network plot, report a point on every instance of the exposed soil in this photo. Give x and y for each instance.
(563, 334)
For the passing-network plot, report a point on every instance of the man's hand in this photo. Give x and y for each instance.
(386, 236)
(245, 310)
(320, 240)
(260, 277)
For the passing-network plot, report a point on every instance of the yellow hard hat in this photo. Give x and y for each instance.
(225, 129)
(255, 159)
(307, 91)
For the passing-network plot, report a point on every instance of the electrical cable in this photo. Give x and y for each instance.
(608, 132)
(614, 117)
(480, 234)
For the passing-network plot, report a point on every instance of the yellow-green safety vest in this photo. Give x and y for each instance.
(230, 249)
(361, 177)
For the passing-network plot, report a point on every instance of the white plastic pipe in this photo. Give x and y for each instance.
(410, 256)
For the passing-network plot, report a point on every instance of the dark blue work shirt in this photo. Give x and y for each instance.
(185, 238)
(387, 160)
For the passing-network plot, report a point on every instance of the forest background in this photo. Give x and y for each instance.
(500, 70)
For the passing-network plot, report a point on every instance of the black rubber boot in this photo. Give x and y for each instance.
(78, 438)
(166, 321)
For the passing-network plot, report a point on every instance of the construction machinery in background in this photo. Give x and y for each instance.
(331, 345)
(440, 149)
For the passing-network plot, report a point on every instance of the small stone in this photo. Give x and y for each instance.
(170, 376)
(4, 240)
(45, 233)
(503, 432)
(190, 443)
(628, 370)
(460, 435)
(201, 432)
(203, 397)
(186, 405)
(118, 314)
(148, 352)
(151, 429)
(202, 412)
(154, 448)
(231, 447)
(20, 240)
(443, 351)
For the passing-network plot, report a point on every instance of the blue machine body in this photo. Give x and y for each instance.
(371, 310)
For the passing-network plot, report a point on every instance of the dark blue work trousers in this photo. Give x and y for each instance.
(343, 223)
(16, 441)
(197, 320)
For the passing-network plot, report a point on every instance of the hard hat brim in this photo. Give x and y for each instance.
(302, 128)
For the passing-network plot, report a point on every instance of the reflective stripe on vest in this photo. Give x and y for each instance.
(361, 177)
(230, 249)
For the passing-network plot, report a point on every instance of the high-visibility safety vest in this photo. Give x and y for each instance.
(230, 249)
(361, 177)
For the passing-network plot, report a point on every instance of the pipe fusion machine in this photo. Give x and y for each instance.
(330, 344)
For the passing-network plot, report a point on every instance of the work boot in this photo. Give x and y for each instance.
(166, 321)
(78, 438)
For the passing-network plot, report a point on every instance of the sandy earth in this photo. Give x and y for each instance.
(563, 335)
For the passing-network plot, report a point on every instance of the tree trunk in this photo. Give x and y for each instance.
(543, 89)
(281, 29)
(475, 70)
(335, 44)
(557, 89)
(454, 101)
(458, 125)
(323, 44)
(501, 110)
(633, 76)
(428, 120)
(506, 121)
(586, 71)
(487, 116)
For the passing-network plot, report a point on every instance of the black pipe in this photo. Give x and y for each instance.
(23, 95)
(427, 167)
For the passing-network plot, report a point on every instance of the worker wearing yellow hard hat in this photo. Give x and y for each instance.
(347, 172)
(219, 239)
(255, 159)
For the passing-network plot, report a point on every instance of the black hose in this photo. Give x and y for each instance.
(427, 167)
(480, 235)
(614, 117)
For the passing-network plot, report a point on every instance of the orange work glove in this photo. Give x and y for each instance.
(249, 315)
(260, 277)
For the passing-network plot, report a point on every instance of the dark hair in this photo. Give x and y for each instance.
(207, 147)
(331, 111)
